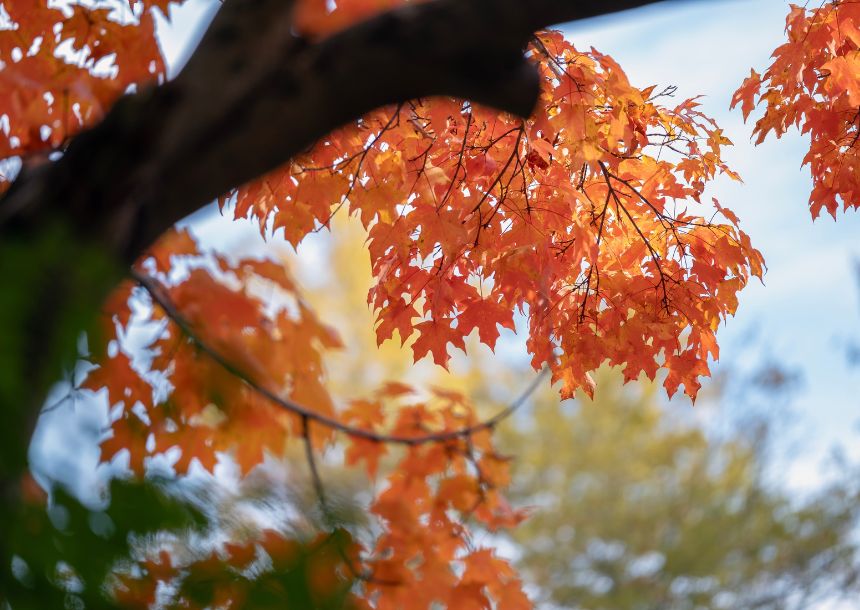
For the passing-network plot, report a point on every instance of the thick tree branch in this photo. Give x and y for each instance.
(254, 94)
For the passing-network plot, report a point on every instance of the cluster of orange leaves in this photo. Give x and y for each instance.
(207, 409)
(188, 400)
(63, 67)
(581, 217)
(813, 84)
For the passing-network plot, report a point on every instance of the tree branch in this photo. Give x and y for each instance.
(254, 94)
(159, 295)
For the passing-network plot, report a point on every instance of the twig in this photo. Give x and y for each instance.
(312, 466)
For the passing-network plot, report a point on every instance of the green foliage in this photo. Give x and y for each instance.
(66, 553)
(289, 584)
(60, 283)
(156, 544)
(634, 509)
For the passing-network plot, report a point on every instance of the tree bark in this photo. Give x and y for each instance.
(254, 94)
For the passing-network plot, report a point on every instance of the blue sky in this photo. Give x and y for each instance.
(808, 309)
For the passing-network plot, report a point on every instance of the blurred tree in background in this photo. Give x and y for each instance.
(637, 510)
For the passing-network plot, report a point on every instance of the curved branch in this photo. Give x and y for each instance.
(254, 94)
(160, 296)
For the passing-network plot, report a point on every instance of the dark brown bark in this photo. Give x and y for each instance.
(253, 95)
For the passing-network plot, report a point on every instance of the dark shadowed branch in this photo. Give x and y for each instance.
(254, 94)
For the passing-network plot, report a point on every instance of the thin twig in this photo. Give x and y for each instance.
(312, 466)
(328, 516)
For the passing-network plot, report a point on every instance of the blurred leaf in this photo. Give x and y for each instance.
(68, 548)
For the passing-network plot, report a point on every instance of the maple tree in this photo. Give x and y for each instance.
(557, 190)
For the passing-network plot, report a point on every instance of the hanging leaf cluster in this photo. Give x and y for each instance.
(589, 217)
(813, 84)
